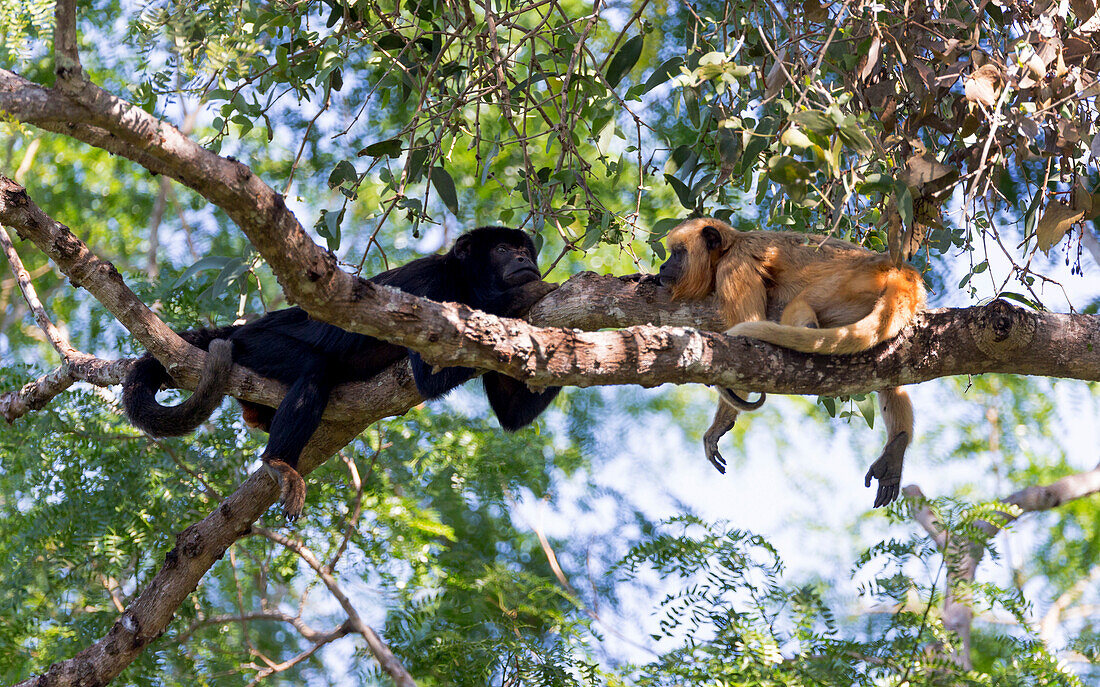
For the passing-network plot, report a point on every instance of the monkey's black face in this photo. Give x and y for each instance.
(514, 265)
(673, 268)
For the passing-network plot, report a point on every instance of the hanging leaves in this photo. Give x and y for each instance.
(445, 187)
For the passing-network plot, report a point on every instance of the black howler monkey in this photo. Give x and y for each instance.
(490, 268)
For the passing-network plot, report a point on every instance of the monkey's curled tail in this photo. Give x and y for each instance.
(895, 308)
(139, 393)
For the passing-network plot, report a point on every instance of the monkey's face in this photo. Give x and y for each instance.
(695, 248)
(673, 268)
(512, 264)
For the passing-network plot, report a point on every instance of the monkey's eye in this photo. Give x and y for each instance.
(502, 249)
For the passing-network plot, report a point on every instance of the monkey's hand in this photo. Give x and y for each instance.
(292, 488)
(887, 470)
(640, 278)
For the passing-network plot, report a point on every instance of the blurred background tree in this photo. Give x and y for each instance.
(596, 548)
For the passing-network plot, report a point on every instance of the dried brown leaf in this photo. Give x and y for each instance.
(1049, 50)
(815, 10)
(984, 85)
(775, 78)
(1054, 224)
(1083, 9)
(924, 170)
(926, 73)
(1036, 71)
(1082, 200)
(949, 50)
(873, 54)
(1077, 49)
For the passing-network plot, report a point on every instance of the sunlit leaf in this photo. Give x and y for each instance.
(1055, 222)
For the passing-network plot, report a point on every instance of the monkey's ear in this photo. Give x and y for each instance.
(462, 247)
(712, 238)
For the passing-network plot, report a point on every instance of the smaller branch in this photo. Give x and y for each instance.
(339, 632)
(1058, 610)
(111, 585)
(963, 554)
(378, 647)
(36, 394)
(278, 616)
(23, 278)
(357, 505)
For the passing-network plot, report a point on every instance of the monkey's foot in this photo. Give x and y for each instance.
(725, 417)
(887, 470)
(710, 446)
(292, 488)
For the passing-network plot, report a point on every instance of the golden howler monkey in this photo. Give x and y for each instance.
(490, 268)
(830, 296)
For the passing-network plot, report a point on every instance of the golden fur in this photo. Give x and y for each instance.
(828, 295)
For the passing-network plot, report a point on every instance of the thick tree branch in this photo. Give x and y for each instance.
(1002, 340)
(994, 338)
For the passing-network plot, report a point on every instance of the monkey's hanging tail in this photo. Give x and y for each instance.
(895, 308)
(139, 393)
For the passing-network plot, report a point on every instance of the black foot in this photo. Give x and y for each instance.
(887, 470)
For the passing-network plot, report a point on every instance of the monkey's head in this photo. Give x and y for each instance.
(695, 247)
(501, 256)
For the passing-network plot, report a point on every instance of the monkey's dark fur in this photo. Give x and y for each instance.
(490, 268)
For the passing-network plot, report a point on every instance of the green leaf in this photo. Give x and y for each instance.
(661, 228)
(388, 148)
(785, 170)
(662, 73)
(328, 227)
(683, 193)
(1019, 298)
(757, 141)
(794, 138)
(343, 172)
(853, 136)
(904, 198)
(624, 60)
(229, 274)
(445, 186)
(880, 183)
(866, 407)
(210, 262)
(816, 121)
(487, 163)
(414, 166)
(597, 222)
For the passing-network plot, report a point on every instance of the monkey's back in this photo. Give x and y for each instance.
(840, 280)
